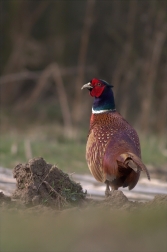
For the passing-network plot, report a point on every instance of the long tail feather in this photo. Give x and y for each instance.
(134, 162)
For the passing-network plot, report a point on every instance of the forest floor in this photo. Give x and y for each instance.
(48, 211)
(47, 207)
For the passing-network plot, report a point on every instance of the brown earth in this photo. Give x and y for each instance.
(50, 212)
(42, 186)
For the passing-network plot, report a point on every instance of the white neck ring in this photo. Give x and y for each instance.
(102, 111)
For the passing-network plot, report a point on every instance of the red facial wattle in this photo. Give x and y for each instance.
(97, 91)
(97, 87)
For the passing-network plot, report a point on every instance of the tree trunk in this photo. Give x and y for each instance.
(77, 104)
(150, 70)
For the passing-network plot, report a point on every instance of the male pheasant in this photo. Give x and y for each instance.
(113, 149)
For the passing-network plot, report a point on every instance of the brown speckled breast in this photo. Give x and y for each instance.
(109, 133)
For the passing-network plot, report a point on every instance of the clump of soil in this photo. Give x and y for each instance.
(158, 201)
(118, 200)
(42, 183)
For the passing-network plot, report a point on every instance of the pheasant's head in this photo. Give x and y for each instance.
(97, 87)
(104, 98)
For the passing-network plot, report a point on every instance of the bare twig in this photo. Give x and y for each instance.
(124, 61)
(150, 69)
(42, 181)
(77, 115)
(52, 71)
(35, 15)
(60, 200)
(21, 76)
(17, 58)
(56, 74)
(27, 148)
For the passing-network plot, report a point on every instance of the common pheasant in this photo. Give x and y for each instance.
(113, 149)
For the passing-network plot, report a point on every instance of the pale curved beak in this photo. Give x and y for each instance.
(88, 86)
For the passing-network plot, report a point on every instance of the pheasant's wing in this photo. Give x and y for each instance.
(121, 160)
(119, 144)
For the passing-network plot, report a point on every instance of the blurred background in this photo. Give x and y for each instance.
(49, 49)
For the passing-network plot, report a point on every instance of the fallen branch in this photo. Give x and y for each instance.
(35, 75)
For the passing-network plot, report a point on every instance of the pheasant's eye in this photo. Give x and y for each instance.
(99, 84)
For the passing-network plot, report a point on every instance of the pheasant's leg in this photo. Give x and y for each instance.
(107, 191)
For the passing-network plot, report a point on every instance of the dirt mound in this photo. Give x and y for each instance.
(118, 200)
(42, 183)
(158, 201)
